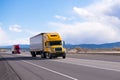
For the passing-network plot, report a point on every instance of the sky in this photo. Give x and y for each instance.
(77, 21)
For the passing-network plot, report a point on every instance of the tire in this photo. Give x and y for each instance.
(12, 52)
(33, 54)
(64, 56)
(43, 55)
(49, 56)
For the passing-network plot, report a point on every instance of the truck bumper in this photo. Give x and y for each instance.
(58, 54)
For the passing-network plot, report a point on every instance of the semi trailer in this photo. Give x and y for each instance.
(47, 45)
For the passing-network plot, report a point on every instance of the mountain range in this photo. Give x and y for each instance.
(95, 46)
(24, 46)
(89, 46)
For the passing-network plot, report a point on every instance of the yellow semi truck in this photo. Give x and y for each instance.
(47, 45)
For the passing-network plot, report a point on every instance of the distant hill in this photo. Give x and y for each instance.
(89, 46)
(24, 46)
(94, 46)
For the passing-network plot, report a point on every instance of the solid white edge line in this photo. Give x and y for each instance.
(50, 70)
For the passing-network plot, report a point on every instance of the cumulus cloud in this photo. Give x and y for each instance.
(100, 24)
(104, 11)
(87, 32)
(15, 28)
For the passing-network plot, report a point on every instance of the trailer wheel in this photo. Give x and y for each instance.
(33, 54)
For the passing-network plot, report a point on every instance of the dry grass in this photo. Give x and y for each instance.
(84, 50)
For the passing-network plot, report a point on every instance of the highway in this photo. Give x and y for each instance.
(74, 67)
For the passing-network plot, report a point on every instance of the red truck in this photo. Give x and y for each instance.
(16, 49)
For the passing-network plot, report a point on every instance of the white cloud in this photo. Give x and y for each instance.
(7, 39)
(60, 17)
(100, 24)
(3, 36)
(106, 10)
(22, 40)
(31, 32)
(87, 32)
(18, 41)
(2, 33)
(83, 12)
(15, 27)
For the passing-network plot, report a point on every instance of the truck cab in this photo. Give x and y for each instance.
(54, 45)
(15, 49)
(55, 48)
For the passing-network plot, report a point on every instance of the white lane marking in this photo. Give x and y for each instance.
(50, 70)
(106, 65)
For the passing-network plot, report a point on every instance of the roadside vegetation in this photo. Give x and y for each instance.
(78, 50)
(99, 50)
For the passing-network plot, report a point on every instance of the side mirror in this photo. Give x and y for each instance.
(45, 44)
(63, 42)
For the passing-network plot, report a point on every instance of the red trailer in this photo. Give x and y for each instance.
(16, 49)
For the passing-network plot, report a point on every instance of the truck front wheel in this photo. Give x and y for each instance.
(64, 56)
(12, 52)
(49, 56)
(43, 55)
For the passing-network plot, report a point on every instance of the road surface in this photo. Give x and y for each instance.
(88, 67)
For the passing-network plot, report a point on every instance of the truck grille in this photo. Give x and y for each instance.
(58, 49)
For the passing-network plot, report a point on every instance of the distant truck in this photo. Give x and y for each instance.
(47, 45)
(15, 49)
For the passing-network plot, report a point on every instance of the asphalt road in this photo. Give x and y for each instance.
(74, 67)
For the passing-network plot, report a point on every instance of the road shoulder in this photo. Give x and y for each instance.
(6, 71)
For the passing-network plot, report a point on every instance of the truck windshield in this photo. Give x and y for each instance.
(52, 43)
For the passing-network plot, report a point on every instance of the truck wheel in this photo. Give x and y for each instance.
(33, 54)
(49, 56)
(64, 56)
(43, 55)
(12, 52)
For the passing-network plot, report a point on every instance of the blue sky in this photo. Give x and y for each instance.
(77, 21)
